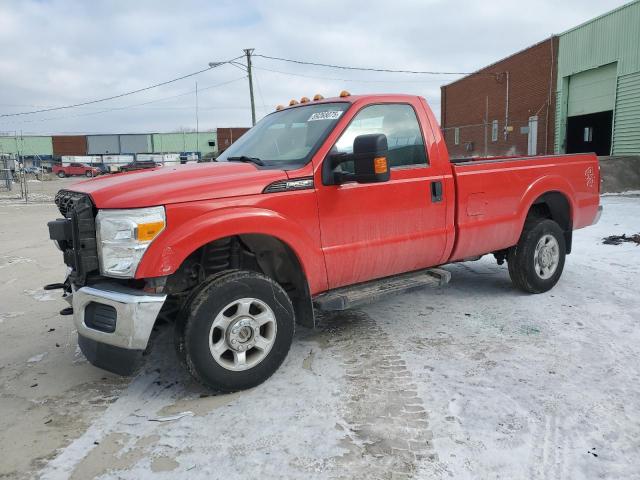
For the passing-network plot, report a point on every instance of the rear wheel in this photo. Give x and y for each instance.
(537, 261)
(61, 174)
(236, 330)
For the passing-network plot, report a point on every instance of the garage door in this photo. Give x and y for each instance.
(592, 91)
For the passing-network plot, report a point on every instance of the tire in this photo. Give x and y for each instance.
(537, 261)
(88, 174)
(230, 307)
(61, 175)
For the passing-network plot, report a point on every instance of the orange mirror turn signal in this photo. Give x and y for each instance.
(380, 165)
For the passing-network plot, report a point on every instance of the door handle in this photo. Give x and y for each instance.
(436, 191)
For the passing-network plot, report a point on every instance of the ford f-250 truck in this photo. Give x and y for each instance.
(325, 203)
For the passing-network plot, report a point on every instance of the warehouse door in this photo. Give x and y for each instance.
(590, 133)
(590, 106)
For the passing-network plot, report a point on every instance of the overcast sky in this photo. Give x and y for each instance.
(62, 52)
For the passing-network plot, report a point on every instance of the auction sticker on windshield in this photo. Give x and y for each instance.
(332, 115)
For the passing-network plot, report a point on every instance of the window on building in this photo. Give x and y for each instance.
(456, 136)
(588, 134)
(494, 131)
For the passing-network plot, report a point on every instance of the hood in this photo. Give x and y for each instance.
(176, 184)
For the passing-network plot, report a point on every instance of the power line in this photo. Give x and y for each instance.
(364, 69)
(124, 107)
(113, 97)
(340, 79)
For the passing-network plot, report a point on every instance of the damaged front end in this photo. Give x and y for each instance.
(114, 320)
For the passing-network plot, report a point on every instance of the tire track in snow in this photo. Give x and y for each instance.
(387, 428)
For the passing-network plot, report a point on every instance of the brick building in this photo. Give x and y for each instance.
(507, 108)
(226, 136)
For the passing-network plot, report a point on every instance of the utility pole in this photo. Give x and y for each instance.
(506, 111)
(197, 123)
(486, 125)
(248, 52)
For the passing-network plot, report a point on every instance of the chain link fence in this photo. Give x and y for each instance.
(520, 137)
(28, 184)
(34, 180)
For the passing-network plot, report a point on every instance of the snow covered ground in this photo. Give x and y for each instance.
(475, 380)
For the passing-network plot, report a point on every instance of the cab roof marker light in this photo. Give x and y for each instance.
(293, 102)
(304, 100)
(279, 107)
(344, 93)
(317, 97)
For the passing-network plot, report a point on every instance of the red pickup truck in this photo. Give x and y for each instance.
(326, 203)
(75, 169)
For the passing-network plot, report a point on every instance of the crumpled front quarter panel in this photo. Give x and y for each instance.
(288, 216)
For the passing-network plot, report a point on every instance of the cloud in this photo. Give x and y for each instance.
(60, 52)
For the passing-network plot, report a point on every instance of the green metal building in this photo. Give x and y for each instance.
(26, 145)
(598, 86)
(185, 142)
(203, 142)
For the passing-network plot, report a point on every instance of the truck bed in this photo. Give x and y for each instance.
(495, 194)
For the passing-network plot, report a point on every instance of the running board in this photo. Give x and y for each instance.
(369, 292)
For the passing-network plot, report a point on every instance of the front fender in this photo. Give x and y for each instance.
(188, 230)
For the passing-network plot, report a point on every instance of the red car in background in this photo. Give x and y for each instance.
(75, 169)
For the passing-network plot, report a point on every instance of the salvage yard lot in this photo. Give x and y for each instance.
(475, 380)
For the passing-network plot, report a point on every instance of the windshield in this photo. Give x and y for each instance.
(287, 138)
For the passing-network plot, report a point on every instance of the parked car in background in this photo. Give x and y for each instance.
(75, 169)
(102, 167)
(34, 170)
(139, 165)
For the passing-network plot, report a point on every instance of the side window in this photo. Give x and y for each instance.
(398, 122)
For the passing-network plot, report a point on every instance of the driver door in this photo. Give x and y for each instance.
(376, 230)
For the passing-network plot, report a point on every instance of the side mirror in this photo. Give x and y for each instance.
(369, 159)
(370, 163)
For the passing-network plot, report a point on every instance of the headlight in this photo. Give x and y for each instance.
(123, 237)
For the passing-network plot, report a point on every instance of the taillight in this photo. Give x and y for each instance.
(599, 180)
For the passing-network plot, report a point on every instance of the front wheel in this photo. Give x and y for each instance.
(537, 261)
(237, 330)
(88, 174)
(61, 175)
